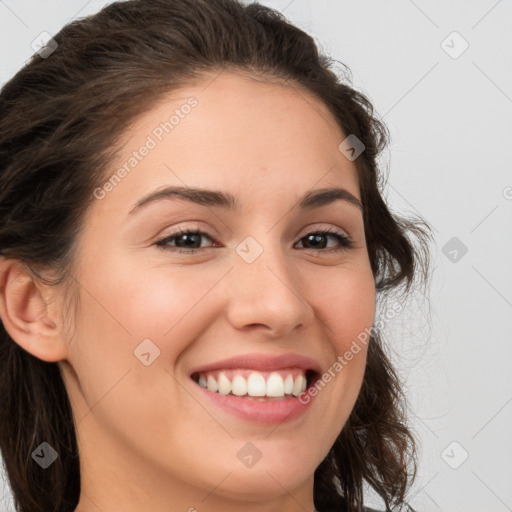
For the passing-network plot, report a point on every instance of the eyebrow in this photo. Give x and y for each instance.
(218, 198)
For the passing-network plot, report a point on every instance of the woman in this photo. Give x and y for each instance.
(192, 244)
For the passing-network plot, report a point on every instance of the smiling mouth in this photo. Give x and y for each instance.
(260, 386)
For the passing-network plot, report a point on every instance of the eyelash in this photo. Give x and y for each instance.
(345, 241)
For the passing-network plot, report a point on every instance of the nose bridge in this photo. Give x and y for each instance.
(266, 290)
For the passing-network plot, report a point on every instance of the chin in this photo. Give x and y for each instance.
(257, 485)
(276, 472)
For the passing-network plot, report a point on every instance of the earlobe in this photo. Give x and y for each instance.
(25, 313)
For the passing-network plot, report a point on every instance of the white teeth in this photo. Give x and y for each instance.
(239, 386)
(212, 384)
(288, 384)
(224, 384)
(255, 385)
(297, 385)
(275, 385)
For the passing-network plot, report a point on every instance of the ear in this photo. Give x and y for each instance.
(27, 314)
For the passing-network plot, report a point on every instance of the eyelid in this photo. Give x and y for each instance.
(207, 230)
(322, 227)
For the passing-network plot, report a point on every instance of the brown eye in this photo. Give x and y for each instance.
(186, 241)
(318, 240)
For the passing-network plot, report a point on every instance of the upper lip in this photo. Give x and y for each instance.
(261, 362)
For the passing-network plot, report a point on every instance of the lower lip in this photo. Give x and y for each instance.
(267, 413)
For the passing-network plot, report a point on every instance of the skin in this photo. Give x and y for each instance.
(148, 440)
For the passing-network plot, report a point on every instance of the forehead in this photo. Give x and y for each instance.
(234, 102)
(233, 132)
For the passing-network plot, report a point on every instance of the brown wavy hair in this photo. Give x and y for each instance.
(61, 119)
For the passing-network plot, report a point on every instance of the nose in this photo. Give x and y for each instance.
(266, 294)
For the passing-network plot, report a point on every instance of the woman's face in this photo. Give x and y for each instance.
(258, 298)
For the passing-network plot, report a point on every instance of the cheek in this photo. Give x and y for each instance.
(121, 306)
(345, 303)
(120, 309)
(171, 306)
(163, 303)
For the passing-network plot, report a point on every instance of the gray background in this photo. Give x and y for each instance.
(449, 113)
